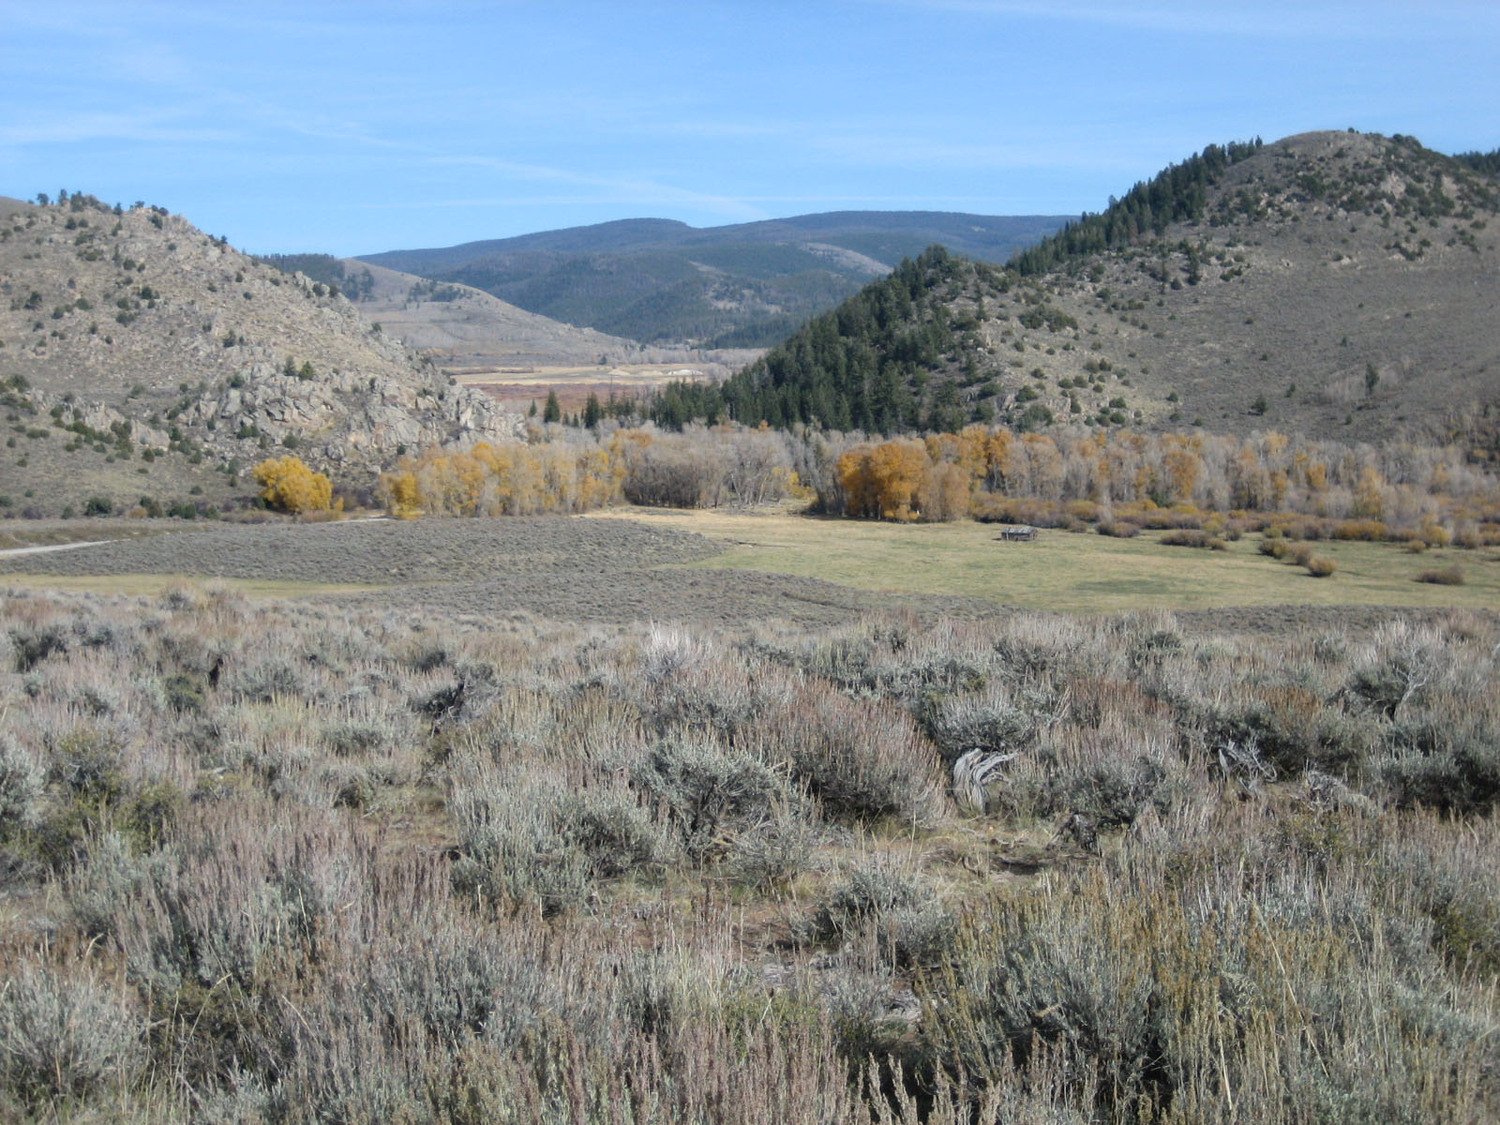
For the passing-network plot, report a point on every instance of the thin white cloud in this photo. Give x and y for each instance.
(1365, 19)
(87, 127)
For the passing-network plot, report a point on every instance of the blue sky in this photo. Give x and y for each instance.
(358, 127)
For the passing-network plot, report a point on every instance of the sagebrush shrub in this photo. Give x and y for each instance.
(1400, 665)
(862, 761)
(869, 890)
(88, 761)
(995, 722)
(102, 882)
(707, 792)
(21, 780)
(514, 851)
(65, 1034)
(771, 852)
(1448, 762)
(30, 646)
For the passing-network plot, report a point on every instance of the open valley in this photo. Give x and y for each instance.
(918, 563)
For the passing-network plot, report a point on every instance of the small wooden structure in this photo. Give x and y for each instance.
(1018, 533)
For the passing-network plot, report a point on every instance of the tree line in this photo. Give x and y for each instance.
(1117, 479)
(1397, 490)
(570, 472)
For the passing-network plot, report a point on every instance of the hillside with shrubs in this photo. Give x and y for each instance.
(1335, 284)
(288, 863)
(747, 285)
(141, 357)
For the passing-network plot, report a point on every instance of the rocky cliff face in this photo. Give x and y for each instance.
(135, 327)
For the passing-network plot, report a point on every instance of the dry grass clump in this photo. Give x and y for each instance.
(1443, 576)
(1205, 540)
(272, 862)
(1321, 566)
(1299, 553)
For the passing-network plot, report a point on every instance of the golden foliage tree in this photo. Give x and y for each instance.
(505, 480)
(900, 480)
(288, 485)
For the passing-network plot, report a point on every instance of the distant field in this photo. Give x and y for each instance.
(633, 375)
(517, 387)
(1072, 572)
(633, 564)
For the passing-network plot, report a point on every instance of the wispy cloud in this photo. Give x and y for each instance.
(85, 127)
(1364, 19)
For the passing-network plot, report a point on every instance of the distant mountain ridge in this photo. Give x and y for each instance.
(1337, 284)
(742, 285)
(465, 330)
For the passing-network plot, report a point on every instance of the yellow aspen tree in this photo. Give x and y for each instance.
(403, 497)
(1182, 465)
(1045, 466)
(944, 493)
(1369, 494)
(1003, 461)
(288, 485)
(973, 454)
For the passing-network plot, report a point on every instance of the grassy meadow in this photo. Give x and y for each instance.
(1067, 572)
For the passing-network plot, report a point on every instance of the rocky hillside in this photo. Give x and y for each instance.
(743, 286)
(143, 358)
(1337, 284)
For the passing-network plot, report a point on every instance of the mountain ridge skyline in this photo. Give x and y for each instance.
(290, 128)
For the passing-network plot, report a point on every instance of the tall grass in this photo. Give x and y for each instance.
(265, 862)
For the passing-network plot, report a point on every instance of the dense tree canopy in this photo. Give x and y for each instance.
(1179, 192)
(862, 366)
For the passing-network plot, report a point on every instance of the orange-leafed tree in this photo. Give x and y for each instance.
(897, 468)
(860, 499)
(288, 485)
(1182, 463)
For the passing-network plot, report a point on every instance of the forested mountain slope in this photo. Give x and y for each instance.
(1338, 284)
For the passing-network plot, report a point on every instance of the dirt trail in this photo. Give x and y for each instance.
(12, 551)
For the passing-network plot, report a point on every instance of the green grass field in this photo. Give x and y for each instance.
(1061, 571)
(1079, 572)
